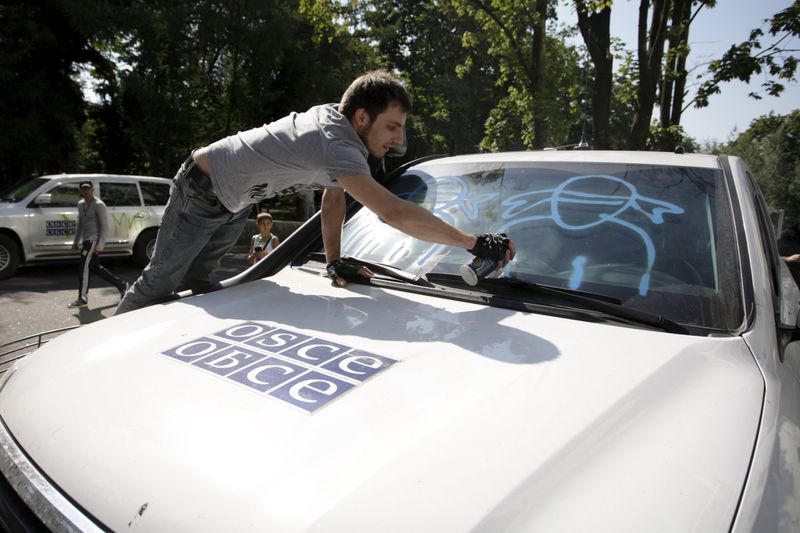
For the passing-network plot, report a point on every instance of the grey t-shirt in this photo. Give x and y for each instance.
(310, 150)
(92, 222)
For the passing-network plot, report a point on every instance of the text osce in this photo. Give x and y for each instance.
(303, 371)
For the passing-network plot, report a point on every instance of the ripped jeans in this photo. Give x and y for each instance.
(196, 231)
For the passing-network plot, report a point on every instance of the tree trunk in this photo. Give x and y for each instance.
(540, 133)
(650, 53)
(680, 79)
(595, 30)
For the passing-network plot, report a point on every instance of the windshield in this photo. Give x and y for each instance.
(21, 191)
(658, 238)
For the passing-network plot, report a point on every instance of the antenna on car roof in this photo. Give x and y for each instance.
(583, 144)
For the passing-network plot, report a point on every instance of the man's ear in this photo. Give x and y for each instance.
(361, 117)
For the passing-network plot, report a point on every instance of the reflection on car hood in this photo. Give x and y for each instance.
(464, 417)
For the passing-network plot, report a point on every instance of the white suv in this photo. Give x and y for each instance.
(38, 218)
(635, 368)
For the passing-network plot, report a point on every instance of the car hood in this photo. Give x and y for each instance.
(455, 417)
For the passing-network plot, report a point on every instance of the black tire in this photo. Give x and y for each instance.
(143, 248)
(9, 256)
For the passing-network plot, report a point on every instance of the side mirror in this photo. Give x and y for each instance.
(43, 199)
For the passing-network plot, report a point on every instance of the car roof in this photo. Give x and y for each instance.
(587, 156)
(121, 177)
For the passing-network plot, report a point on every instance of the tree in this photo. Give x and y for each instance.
(594, 22)
(516, 33)
(650, 51)
(452, 86)
(673, 84)
(539, 107)
(191, 72)
(42, 46)
(751, 57)
(771, 147)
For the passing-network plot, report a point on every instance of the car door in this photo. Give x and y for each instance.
(126, 216)
(53, 220)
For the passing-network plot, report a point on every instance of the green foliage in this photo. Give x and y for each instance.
(194, 72)
(670, 138)
(449, 73)
(506, 31)
(771, 147)
(744, 60)
(173, 75)
(41, 111)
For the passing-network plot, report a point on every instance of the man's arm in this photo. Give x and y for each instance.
(332, 216)
(405, 216)
(78, 228)
(333, 209)
(102, 227)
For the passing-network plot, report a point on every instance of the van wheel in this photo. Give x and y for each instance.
(143, 249)
(9, 256)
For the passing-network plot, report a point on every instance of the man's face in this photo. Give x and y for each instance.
(87, 193)
(383, 132)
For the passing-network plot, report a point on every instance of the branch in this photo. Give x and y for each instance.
(509, 35)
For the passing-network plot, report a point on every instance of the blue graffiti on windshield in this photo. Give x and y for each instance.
(569, 193)
(444, 201)
(577, 272)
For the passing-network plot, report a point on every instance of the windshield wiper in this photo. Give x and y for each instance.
(384, 270)
(598, 302)
(392, 272)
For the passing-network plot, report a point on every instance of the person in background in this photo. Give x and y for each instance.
(91, 235)
(264, 241)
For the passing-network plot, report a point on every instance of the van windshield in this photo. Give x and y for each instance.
(21, 191)
(658, 238)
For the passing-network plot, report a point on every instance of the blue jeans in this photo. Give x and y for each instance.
(196, 231)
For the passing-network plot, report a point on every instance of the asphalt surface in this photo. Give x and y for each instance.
(36, 298)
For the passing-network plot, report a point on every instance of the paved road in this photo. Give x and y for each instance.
(36, 298)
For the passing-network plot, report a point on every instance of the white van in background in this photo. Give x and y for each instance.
(39, 217)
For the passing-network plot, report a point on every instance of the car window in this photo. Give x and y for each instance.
(154, 193)
(64, 195)
(119, 194)
(19, 192)
(656, 237)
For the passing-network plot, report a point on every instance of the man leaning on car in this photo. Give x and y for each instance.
(325, 147)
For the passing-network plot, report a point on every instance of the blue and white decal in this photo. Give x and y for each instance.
(303, 371)
(60, 227)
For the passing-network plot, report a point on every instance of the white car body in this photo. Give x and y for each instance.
(39, 224)
(286, 404)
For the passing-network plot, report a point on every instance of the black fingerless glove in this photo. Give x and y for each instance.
(494, 245)
(343, 268)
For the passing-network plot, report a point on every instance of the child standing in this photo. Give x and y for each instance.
(264, 241)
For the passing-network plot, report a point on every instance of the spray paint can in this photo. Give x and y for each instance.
(478, 268)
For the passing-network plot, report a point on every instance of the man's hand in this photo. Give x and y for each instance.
(75, 247)
(495, 245)
(97, 250)
(342, 270)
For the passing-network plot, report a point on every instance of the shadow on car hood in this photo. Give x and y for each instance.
(441, 416)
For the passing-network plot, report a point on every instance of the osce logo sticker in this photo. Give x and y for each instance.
(303, 371)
